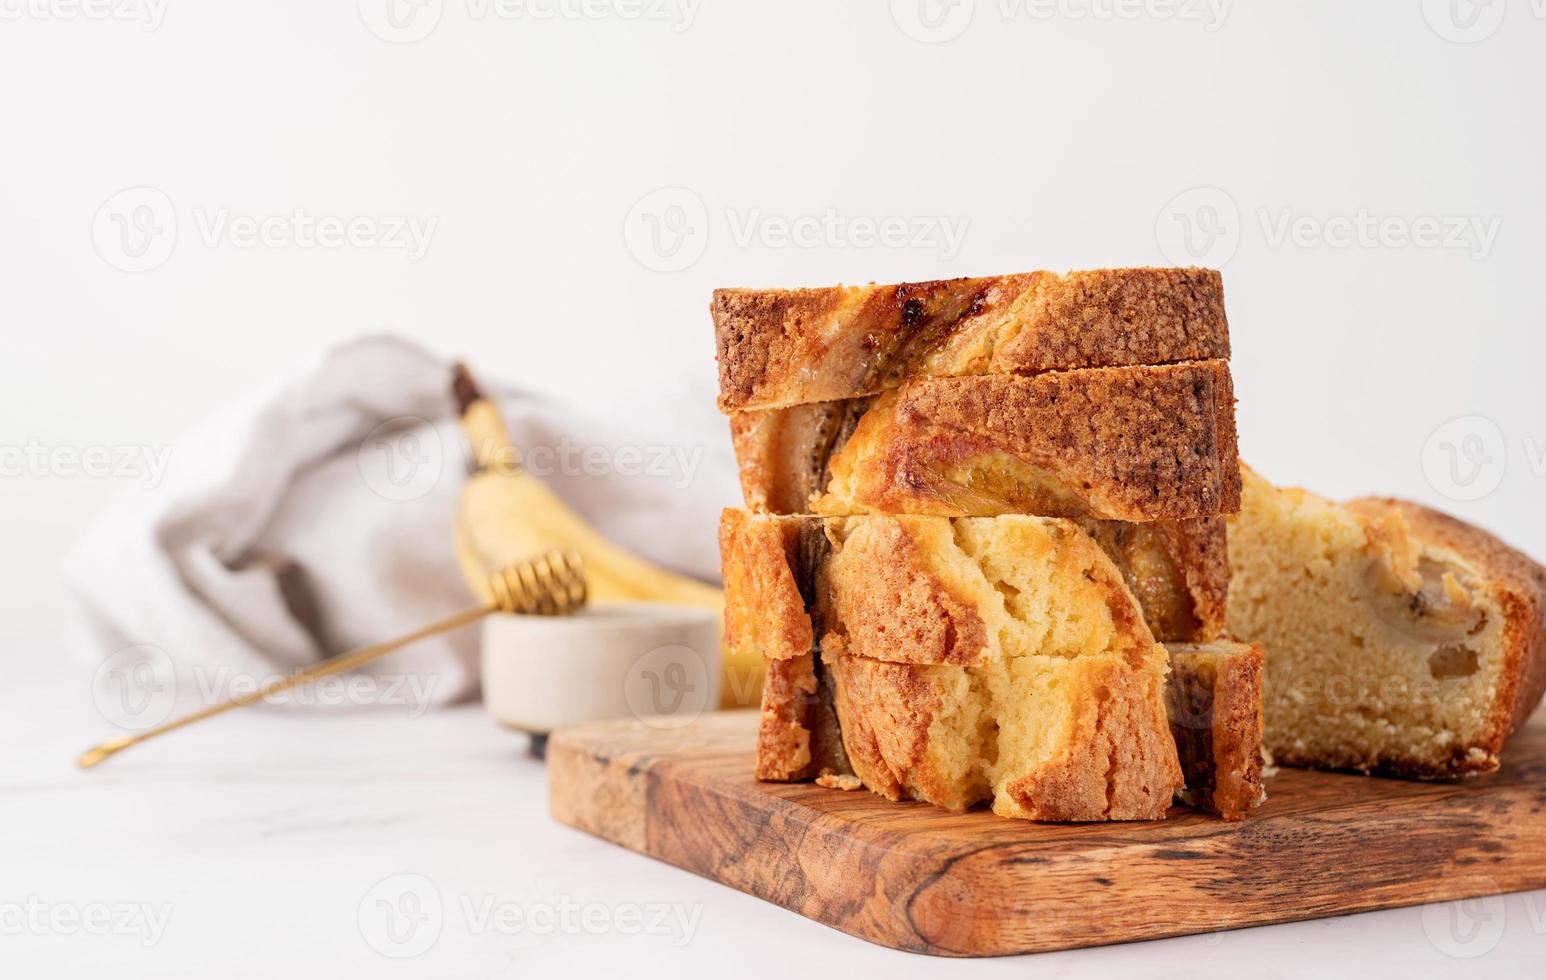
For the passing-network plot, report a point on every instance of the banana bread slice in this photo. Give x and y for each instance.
(1128, 444)
(768, 568)
(772, 566)
(779, 347)
(1178, 570)
(1124, 444)
(1401, 641)
(966, 659)
(1215, 703)
(1044, 737)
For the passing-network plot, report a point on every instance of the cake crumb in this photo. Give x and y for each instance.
(842, 781)
(1269, 767)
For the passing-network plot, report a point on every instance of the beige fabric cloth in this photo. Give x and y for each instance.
(316, 518)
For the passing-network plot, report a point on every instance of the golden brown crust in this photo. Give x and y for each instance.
(886, 711)
(1118, 316)
(793, 346)
(1117, 763)
(883, 593)
(1519, 585)
(1114, 762)
(1214, 700)
(765, 615)
(798, 736)
(783, 734)
(1126, 444)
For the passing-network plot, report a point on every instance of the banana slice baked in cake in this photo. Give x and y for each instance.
(1400, 641)
(1127, 444)
(1177, 570)
(779, 347)
(965, 659)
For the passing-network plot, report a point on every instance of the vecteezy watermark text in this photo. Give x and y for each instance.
(407, 21)
(667, 230)
(938, 21)
(36, 917)
(1470, 21)
(149, 14)
(403, 915)
(404, 458)
(680, 14)
(1472, 233)
(409, 234)
(33, 458)
(1471, 928)
(137, 230)
(1205, 226)
(138, 686)
(676, 921)
(669, 686)
(1466, 458)
(1209, 13)
(940, 234)
(416, 692)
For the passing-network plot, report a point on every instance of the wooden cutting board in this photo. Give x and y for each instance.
(913, 877)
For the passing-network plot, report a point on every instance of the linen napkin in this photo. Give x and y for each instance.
(314, 518)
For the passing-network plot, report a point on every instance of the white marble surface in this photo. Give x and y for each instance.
(260, 845)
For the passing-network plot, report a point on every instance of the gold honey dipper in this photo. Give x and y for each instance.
(550, 585)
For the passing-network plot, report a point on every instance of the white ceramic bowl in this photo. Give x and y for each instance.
(652, 661)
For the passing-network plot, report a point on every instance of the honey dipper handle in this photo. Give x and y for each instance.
(335, 665)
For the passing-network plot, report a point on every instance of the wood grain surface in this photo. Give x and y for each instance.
(913, 877)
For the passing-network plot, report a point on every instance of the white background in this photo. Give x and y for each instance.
(1059, 135)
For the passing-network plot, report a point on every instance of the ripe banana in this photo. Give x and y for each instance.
(506, 515)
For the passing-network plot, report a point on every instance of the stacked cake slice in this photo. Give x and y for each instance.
(975, 509)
